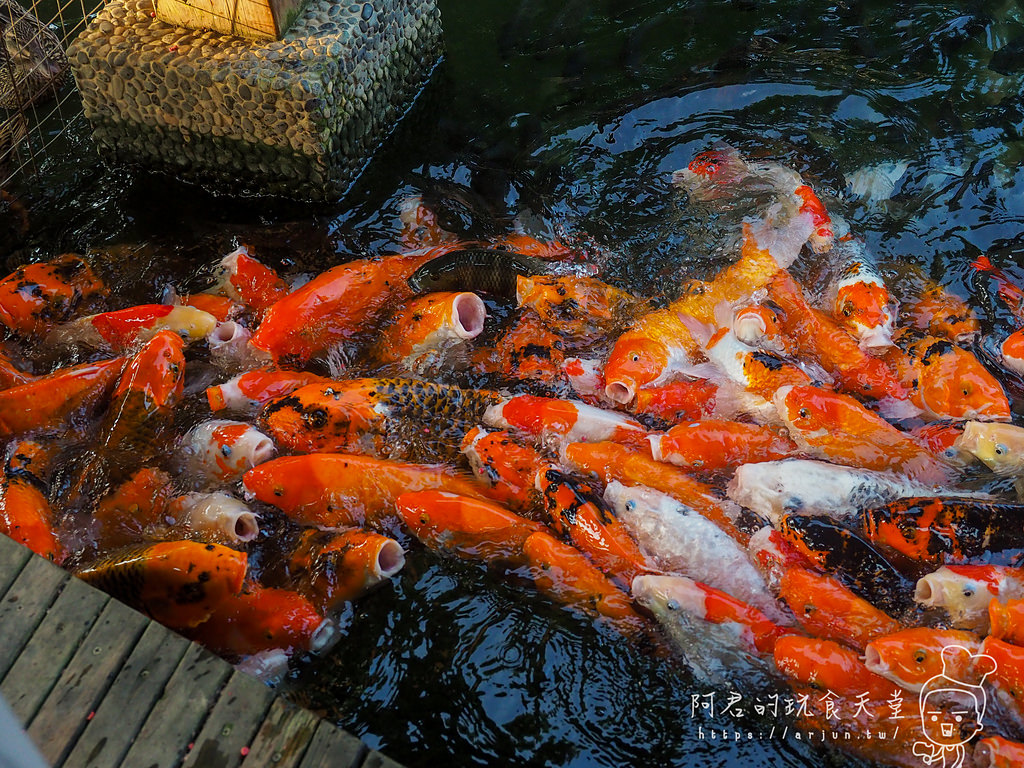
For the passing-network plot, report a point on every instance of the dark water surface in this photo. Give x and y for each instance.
(569, 116)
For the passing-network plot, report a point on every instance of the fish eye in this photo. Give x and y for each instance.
(1001, 450)
(847, 310)
(968, 592)
(630, 505)
(672, 605)
(920, 657)
(804, 413)
(636, 358)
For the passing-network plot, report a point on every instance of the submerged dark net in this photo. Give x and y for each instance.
(33, 65)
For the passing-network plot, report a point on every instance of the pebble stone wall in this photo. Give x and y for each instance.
(299, 117)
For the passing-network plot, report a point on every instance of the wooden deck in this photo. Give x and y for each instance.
(99, 685)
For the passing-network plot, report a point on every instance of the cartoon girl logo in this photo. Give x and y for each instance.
(952, 710)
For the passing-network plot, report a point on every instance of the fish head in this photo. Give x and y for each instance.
(953, 383)
(823, 236)
(1012, 352)
(959, 591)
(911, 657)
(999, 446)
(157, 370)
(634, 363)
(807, 410)
(864, 306)
(666, 596)
(754, 323)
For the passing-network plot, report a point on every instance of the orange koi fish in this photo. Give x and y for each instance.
(1011, 352)
(681, 400)
(1005, 665)
(1006, 619)
(565, 574)
(940, 313)
(577, 510)
(1011, 293)
(333, 307)
(508, 467)
(997, 752)
(818, 336)
(418, 334)
(178, 583)
(611, 461)
(244, 279)
(221, 307)
(374, 415)
(468, 527)
(774, 555)
(11, 375)
(25, 513)
(333, 567)
(836, 427)
(943, 530)
(578, 308)
(260, 619)
(48, 402)
(126, 514)
(755, 630)
(214, 516)
(944, 440)
(143, 401)
(528, 245)
(340, 489)
(251, 389)
(571, 419)
(913, 656)
(123, 328)
(718, 444)
(860, 299)
(223, 451)
(36, 297)
(757, 325)
(827, 666)
(527, 352)
(966, 592)
(829, 610)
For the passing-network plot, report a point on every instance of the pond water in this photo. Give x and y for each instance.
(567, 118)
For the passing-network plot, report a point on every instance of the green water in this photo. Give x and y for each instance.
(568, 118)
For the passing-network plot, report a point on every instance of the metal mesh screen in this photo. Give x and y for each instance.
(38, 100)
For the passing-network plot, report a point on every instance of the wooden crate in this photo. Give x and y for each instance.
(255, 19)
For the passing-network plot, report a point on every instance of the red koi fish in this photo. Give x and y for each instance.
(334, 567)
(827, 666)
(508, 467)
(48, 402)
(1006, 619)
(829, 610)
(260, 619)
(1005, 666)
(571, 419)
(468, 527)
(966, 592)
(428, 326)
(224, 450)
(527, 352)
(997, 752)
(911, 657)
(611, 461)
(583, 309)
(939, 313)
(1008, 290)
(861, 302)
(244, 279)
(25, 513)
(681, 400)
(251, 389)
(836, 427)
(178, 583)
(333, 307)
(819, 336)
(340, 489)
(123, 328)
(718, 444)
(130, 511)
(773, 555)
(578, 511)
(1011, 352)
(36, 297)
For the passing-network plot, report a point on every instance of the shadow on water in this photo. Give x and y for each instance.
(566, 118)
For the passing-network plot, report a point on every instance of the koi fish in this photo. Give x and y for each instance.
(1007, 290)
(123, 328)
(838, 550)
(230, 348)
(678, 539)
(214, 516)
(38, 296)
(394, 417)
(942, 531)
(527, 352)
(772, 554)
(860, 299)
(966, 591)
(25, 512)
(913, 656)
(997, 752)
(475, 269)
(520, 242)
(508, 467)
(243, 278)
(759, 326)
(578, 308)
(609, 461)
(563, 573)
(178, 583)
(827, 666)
(261, 618)
(138, 505)
(334, 567)
(939, 313)
(718, 444)
(248, 391)
(829, 610)
(427, 327)
(468, 527)
(340, 489)
(577, 510)
(221, 307)
(223, 450)
(818, 336)
(333, 307)
(571, 420)
(1006, 618)
(943, 439)
(1011, 352)
(680, 400)
(836, 427)
(1004, 664)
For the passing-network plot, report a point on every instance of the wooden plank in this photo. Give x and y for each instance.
(13, 557)
(31, 678)
(334, 747)
(24, 606)
(138, 685)
(180, 712)
(377, 760)
(255, 19)
(234, 720)
(87, 677)
(283, 737)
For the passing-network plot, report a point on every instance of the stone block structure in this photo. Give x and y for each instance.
(298, 117)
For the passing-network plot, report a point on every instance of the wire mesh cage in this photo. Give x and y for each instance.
(38, 100)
